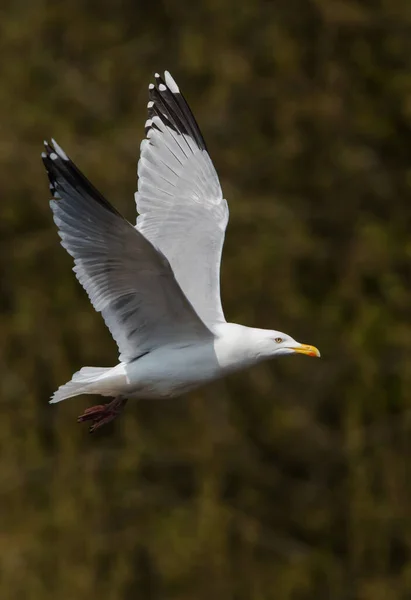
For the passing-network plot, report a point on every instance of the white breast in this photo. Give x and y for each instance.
(171, 371)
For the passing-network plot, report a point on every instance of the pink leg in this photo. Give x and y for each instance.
(102, 413)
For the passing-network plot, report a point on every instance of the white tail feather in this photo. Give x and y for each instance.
(85, 381)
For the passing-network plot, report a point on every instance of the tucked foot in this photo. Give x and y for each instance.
(102, 413)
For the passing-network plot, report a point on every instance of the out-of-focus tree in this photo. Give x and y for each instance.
(291, 481)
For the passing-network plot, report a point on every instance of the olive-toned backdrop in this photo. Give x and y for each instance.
(291, 481)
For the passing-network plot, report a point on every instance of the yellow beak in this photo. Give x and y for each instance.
(308, 350)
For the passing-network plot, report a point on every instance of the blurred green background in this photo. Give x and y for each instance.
(291, 481)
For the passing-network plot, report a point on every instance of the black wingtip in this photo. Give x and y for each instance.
(63, 174)
(168, 103)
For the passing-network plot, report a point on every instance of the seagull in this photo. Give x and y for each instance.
(156, 284)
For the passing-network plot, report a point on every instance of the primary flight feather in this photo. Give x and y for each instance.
(157, 285)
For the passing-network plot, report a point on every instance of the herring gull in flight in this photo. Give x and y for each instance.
(156, 284)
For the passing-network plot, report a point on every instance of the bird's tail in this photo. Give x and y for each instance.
(89, 380)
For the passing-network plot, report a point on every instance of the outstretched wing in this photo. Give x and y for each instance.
(126, 278)
(179, 199)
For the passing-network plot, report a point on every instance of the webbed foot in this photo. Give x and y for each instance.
(102, 413)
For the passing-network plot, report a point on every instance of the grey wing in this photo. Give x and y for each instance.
(179, 199)
(125, 277)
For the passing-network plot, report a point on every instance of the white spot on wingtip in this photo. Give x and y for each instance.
(53, 156)
(45, 142)
(59, 150)
(156, 75)
(151, 86)
(150, 104)
(148, 123)
(173, 87)
(43, 155)
(162, 87)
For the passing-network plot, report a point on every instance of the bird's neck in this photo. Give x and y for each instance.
(236, 347)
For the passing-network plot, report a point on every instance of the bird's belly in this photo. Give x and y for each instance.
(171, 372)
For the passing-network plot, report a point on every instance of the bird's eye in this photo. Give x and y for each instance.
(278, 340)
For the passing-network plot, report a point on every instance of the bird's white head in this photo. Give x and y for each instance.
(270, 343)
